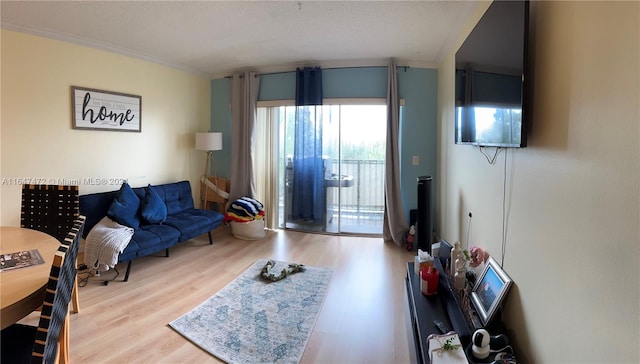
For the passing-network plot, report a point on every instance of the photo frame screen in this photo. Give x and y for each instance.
(490, 290)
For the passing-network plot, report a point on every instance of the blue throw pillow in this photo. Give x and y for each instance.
(154, 210)
(125, 206)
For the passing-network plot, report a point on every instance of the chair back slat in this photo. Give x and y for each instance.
(55, 307)
(49, 208)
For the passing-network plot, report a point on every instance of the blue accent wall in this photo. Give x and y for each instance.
(369, 82)
(418, 128)
(278, 86)
(355, 82)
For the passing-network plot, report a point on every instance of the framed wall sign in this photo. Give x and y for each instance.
(490, 290)
(105, 110)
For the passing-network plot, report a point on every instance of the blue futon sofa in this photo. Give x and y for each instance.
(181, 222)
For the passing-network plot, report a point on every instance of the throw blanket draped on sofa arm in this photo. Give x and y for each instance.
(104, 243)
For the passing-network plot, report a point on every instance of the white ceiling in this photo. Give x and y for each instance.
(217, 37)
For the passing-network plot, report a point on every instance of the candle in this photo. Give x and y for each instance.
(429, 280)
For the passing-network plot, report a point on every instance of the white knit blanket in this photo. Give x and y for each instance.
(106, 240)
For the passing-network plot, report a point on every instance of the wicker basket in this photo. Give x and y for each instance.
(252, 230)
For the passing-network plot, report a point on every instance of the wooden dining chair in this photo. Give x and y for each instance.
(51, 209)
(49, 341)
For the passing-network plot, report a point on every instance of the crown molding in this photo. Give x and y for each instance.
(286, 67)
(45, 33)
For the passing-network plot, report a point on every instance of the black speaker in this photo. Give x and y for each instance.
(423, 228)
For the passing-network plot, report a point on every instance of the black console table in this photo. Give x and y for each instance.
(422, 310)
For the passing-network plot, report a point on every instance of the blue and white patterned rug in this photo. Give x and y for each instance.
(254, 321)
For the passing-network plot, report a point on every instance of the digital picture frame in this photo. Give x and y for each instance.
(489, 291)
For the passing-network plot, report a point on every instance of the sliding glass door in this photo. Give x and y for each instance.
(355, 184)
(351, 196)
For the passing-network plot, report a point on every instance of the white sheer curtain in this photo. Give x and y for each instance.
(265, 164)
(244, 96)
(395, 222)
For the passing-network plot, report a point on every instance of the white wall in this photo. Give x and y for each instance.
(38, 142)
(573, 195)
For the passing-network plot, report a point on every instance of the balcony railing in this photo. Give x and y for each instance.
(365, 199)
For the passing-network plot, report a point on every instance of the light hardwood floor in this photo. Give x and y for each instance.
(362, 319)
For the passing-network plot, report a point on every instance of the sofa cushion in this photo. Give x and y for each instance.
(149, 239)
(194, 222)
(176, 196)
(153, 209)
(125, 206)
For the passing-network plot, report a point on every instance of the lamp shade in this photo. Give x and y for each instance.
(209, 141)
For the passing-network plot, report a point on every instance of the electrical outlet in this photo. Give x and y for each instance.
(416, 160)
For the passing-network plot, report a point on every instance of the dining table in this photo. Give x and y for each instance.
(22, 289)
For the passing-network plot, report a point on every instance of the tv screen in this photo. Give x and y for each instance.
(490, 78)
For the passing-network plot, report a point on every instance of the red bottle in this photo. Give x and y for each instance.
(429, 280)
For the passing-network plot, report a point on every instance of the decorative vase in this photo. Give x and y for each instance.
(455, 254)
(460, 276)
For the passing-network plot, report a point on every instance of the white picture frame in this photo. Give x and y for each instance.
(105, 110)
(490, 290)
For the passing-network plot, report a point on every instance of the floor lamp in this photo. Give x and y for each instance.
(208, 142)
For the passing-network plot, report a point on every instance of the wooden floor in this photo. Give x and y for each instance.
(362, 319)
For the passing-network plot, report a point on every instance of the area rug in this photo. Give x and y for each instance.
(255, 321)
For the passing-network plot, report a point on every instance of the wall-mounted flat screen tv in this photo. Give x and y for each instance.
(491, 67)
